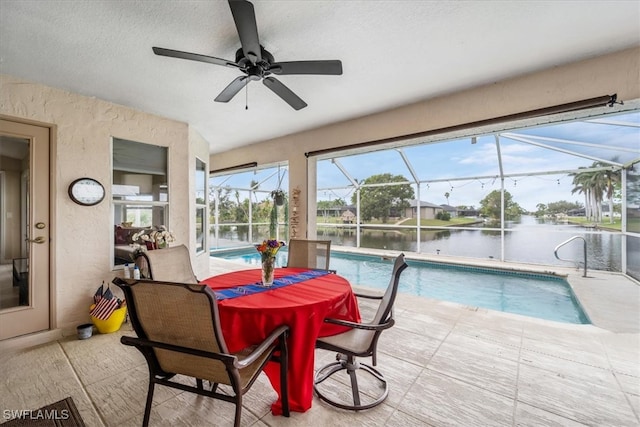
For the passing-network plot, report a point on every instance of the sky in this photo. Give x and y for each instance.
(439, 166)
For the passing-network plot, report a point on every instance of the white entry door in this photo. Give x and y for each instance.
(24, 229)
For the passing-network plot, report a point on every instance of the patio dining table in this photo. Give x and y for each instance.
(301, 299)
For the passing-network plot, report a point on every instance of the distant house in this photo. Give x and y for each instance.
(334, 211)
(345, 213)
(605, 212)
(348, 217)
(451, 210)
(427, 210)
(576, 212)
(329, 212)
(466, 213)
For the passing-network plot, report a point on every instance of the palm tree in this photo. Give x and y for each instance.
(581, 186)
(595, 184)
(597, 190)
(611, 180)
(446, 195)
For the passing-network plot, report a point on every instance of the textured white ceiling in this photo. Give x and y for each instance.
(394, 52)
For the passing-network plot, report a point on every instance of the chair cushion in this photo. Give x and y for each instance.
(356, 341)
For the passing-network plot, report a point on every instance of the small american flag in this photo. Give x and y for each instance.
(104, 308)
(98, 295)
(107, 294)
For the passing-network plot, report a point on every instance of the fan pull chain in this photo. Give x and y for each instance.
(246, 99)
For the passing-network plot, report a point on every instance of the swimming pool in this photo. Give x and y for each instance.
(536, 295)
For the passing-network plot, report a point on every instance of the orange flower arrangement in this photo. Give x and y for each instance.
(269, 248)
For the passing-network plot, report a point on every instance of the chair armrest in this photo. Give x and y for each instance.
(365, 326)
(144, 343)
(280, 332)
(368, 296)
(260, 349)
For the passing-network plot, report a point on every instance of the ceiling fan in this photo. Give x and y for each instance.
(256, 62)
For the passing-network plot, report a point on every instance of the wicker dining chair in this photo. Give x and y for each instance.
(359, 341)
(189, 342)
(171, 264)
(315, 254)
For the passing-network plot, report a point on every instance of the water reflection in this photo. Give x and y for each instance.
(531, 241)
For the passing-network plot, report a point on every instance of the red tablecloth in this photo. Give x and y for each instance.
(303, 306)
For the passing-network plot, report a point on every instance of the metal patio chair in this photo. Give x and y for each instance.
(175, 340)
(360, 341)
(171, 264)
(314, 254)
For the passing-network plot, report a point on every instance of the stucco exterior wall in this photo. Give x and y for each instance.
(82, 128)
(605, 75)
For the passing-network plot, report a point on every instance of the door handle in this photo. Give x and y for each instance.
(40, 240)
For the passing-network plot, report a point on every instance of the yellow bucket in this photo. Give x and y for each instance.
(113, 323)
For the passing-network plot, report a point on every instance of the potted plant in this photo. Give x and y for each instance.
(278, 197)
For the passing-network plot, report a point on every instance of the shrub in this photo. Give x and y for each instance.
(443, 216)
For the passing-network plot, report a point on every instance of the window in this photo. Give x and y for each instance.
(244, 209)
(140, 193)
(201, 205)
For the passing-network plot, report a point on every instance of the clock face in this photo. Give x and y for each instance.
(86, 191)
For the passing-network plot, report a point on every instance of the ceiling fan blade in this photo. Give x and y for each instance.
(332, 67)
(245, 19)
(233, 88)
(194, 57)
(284, 92)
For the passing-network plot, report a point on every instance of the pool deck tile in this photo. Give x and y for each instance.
(447, 365)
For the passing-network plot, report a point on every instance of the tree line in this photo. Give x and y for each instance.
(381, 201)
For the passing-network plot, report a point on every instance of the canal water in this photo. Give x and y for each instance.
(531, 240)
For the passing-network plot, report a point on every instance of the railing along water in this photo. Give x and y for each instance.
(555, 252)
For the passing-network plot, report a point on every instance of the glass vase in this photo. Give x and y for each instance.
(268, 264)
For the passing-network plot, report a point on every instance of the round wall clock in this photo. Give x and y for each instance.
(86, 191)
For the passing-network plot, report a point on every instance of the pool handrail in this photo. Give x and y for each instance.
(555, 251)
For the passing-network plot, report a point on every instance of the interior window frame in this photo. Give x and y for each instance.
(163, 199)
(200, 208)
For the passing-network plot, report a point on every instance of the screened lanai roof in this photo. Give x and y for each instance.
(264, 180)
(613, 140)
(530, 159)
(534, 160)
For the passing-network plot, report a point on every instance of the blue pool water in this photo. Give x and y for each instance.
(536, 295)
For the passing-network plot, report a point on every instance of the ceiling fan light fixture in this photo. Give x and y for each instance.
(256, 62)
